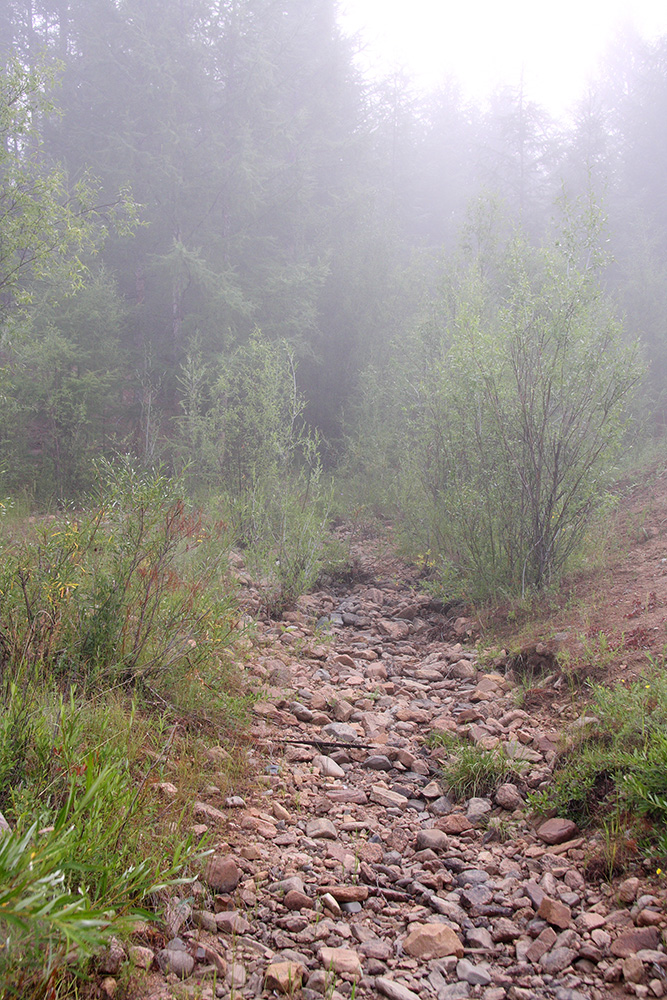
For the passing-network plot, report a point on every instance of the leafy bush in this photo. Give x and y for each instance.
(243, 418)
(506, 409)
(120, 595)
(103, 615)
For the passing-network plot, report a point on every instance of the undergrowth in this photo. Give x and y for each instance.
(116, 634)
(471, 770)
(613, 771)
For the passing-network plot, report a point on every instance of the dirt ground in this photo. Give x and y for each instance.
(610, 620)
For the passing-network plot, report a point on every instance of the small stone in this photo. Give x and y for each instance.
(555, 913)
(140, 957)
(285, 977)
(321, 828)
(109, 987)
(205, 920)
(385, 797)
(556, 831)
(340, 731)
(476, 975)
(167, 790)
(331, 904)
(177, 913)
(343, 961)
(508, 797)
(328, 766)
(434, 840)
(280, 813)
(432, 790)
(180, 963)
(346, 893)
(656, 988)
(376, 948)
(208, 814)
(378, 762)
(505, 931)
(222, 874)
(111, 958)
(477, 809)
(454, 823)
(231, 922)
(235, 802)
(427, 941)
(295, 900)
(394, 990)
(557, 960)
(237, 975)
(648, 918)
(480, 937)
(633, 969)
(627, 890)
(633, 940)
(541, 945)
(285, 885)
(440, 806)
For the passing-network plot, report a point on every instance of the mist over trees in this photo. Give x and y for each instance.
(188, 186)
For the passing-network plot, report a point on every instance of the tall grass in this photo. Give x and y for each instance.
(104, 616)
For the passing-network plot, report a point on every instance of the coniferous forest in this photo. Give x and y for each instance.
(230, 256)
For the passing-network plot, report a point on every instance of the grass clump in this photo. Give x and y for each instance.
(116, 632)
(471, 770)
(617, 766)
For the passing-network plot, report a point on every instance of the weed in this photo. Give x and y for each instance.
(104, 615)
(442, 738)
(619, 766)
(472, 770)
(539, 802)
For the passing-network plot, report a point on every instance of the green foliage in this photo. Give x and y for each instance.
(470, 770)
(83, 867)
(130, 593)
(47, 226)
(61, 403)
(507, 409)
(244, 419)
(619, 764)
(104, 616)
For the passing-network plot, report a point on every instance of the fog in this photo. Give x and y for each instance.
(280, 192)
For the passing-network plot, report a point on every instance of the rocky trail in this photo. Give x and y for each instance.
(350, 871)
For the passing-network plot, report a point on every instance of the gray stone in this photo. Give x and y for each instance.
(557, 960)
(434, 840)
(378, 762)
(456, 991)
(476, 975)
(477, 809)
(111, 958)
(480, 937)
(472, 876)
(180, 963)
(395, 991)
(342, 732)
(222, 874)
(302, 713)
(508, 797)
(556, 831)
(292, 884)
(440, 806)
